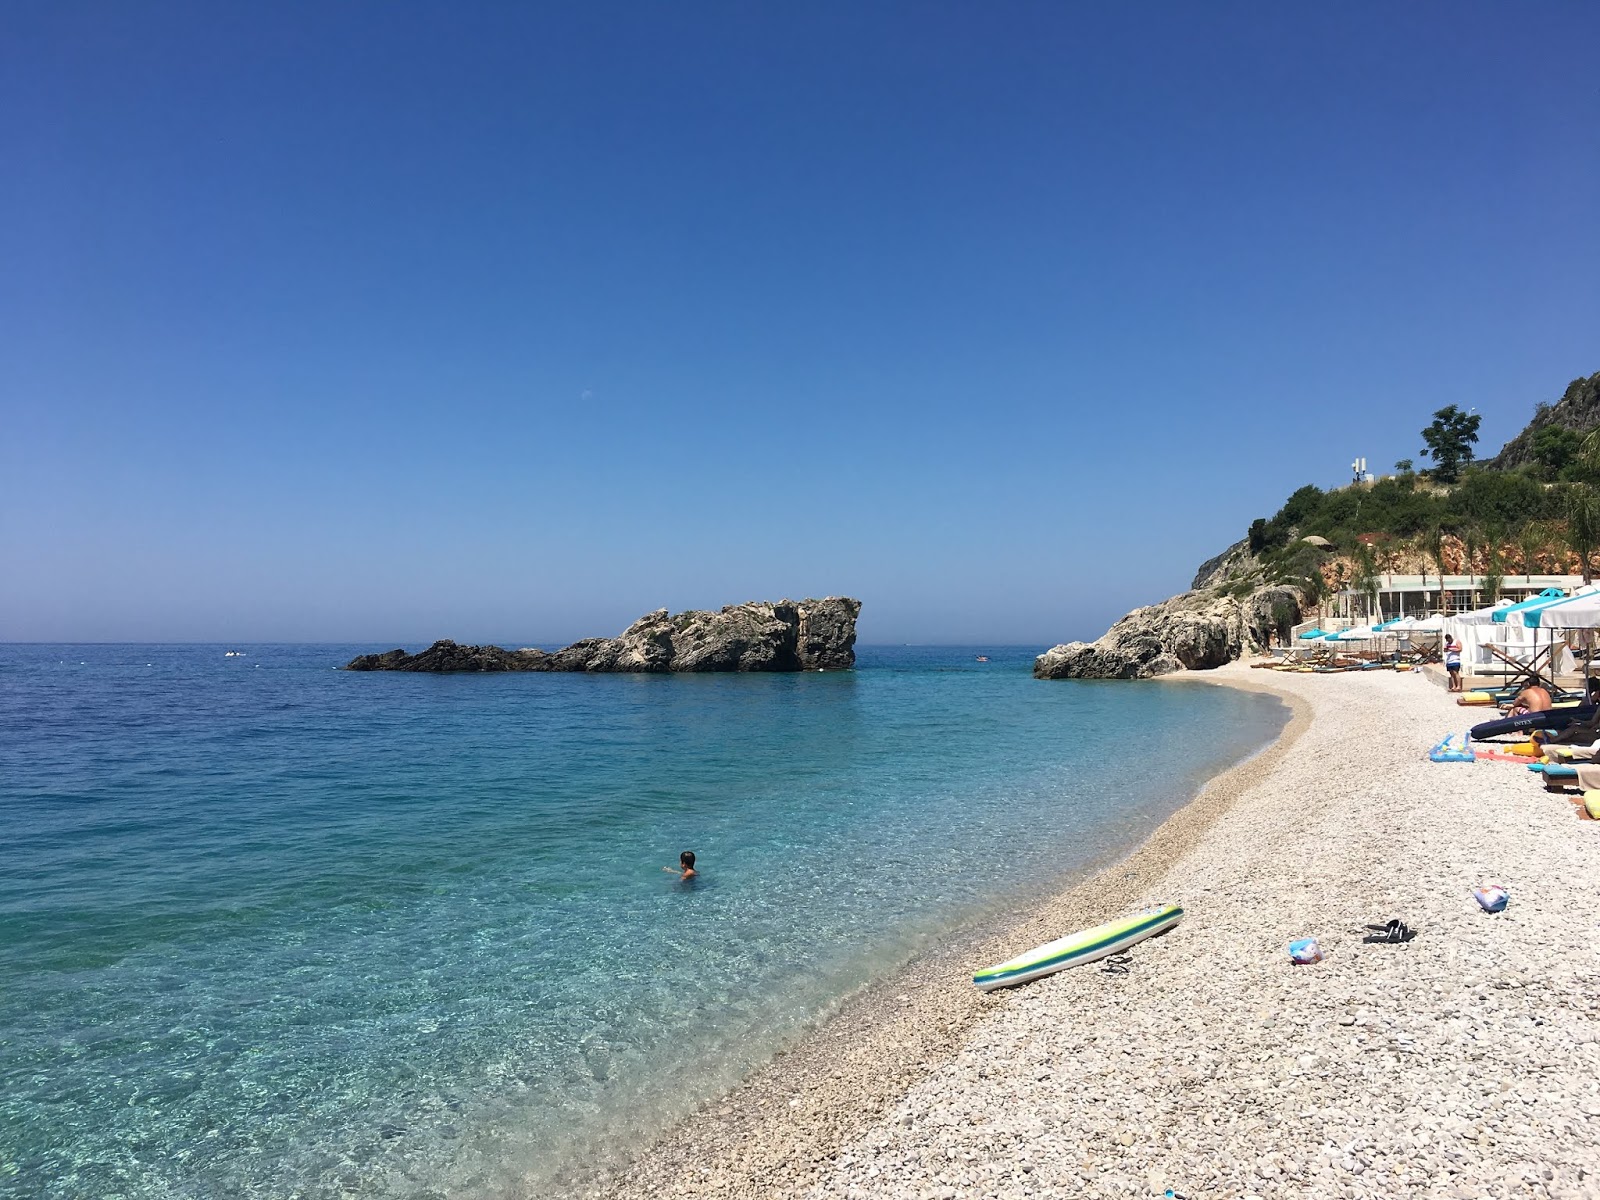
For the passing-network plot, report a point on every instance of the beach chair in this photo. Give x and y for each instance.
(1537, 670)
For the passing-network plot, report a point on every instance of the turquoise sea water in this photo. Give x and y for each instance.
(268, 929)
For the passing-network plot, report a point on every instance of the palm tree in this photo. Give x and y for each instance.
(1340, 574)
(1588, 455)
(1532, 541)
(1471, 540)
(1366, 578)
(1582, 504)
(1492, 577)
(1389, 555)
(1314, 589)
(1433, 542)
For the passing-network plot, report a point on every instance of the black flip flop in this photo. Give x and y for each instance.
(1395, 931)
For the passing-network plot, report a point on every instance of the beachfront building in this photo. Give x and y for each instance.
(1424, 595)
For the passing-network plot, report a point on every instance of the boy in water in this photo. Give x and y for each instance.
(685, 868)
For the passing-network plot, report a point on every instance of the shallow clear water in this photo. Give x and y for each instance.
(269, 929)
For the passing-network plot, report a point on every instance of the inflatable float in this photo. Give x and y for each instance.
(1078, 948)
(1550, 718)
(1454, 748)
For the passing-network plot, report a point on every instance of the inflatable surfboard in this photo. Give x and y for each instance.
(1078, 948)
(1550, 718)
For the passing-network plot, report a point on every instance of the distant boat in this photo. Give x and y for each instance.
(234, 654)
(983, 658)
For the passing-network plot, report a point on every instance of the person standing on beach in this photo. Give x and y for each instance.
(685, 868)
(1452, 662)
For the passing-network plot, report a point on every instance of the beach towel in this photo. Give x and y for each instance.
(1588, 775)
(1502, 756)
(1574, 754)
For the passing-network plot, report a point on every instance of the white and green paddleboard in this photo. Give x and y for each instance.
(1077, 948)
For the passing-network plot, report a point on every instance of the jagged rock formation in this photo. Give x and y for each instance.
(1229, 612)
(789, 635)
(1577, 410)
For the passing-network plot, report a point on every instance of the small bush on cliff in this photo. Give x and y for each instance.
(1501, 497)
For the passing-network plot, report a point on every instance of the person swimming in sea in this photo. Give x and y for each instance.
(685, 868)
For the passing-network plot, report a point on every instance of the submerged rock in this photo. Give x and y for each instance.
(786, 635)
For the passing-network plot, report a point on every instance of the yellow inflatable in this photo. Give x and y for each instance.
(1474, 698)
(1526, 749)
(1591, 804)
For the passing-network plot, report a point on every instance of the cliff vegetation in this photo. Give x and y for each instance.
(1532, 508)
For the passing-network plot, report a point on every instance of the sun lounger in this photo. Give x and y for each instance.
(1584, 776)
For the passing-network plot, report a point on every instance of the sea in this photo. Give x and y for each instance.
(273, 929)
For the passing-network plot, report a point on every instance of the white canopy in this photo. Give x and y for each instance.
(1575, 612)
(1484, 640)
(1482, 616)
(1552, 613)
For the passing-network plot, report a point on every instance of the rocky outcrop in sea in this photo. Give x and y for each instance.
(1226, 614)
(786, 635)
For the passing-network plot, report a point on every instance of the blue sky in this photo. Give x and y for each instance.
(385, 322)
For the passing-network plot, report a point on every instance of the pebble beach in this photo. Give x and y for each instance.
(1464, 1062)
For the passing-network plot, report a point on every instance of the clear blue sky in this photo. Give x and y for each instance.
(391, 321)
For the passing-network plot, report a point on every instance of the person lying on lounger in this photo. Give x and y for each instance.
(1579, 733)
(1530, 699)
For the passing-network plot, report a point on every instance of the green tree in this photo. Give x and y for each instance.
(1448, 441)
(1404, 466)
(1386, 550)
(1533, 539)
(1471, 542)
(1493, 575)
(1283, 617)
(1582, 504)
(1314, 590)
(1433, 540)
(1299, 507)
(1555, 447)
(1366, 580)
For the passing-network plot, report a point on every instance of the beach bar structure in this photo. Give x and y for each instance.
(1424, 595)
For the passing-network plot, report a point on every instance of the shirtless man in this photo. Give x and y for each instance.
(1530, 699)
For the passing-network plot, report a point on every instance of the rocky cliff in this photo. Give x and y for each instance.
(1577, 410)
(1230, 611)
(789, 635)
